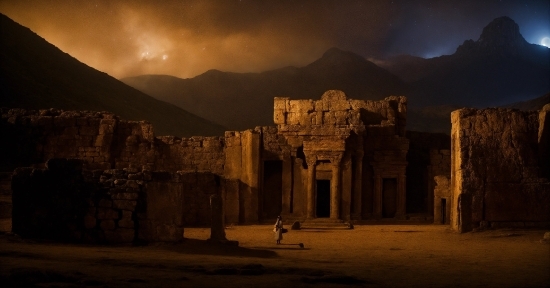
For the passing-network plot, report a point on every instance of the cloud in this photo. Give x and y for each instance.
(186, 38)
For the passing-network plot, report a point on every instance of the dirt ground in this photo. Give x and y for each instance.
(367, 256)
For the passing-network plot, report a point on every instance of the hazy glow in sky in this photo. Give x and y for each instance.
(187, 38)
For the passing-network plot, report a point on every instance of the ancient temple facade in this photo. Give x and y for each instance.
(333, 159)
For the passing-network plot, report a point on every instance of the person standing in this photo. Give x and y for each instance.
(278, 229)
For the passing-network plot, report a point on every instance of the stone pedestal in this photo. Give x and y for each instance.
(217, 229)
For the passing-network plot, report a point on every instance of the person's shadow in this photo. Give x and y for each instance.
(294, 246)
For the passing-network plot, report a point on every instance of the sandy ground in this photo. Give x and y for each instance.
(368, 256)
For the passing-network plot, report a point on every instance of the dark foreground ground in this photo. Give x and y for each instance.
(368, 256)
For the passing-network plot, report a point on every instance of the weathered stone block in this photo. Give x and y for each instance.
(105, 203)
(280, 103)
(125, 205)
(106, 213)
(279, 116)
(126, 223)
(107, 225)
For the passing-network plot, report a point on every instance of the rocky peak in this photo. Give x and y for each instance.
(500, 37)
(502, 31)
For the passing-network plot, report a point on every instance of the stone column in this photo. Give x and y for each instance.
(357, 185)
(311, 163)
(217, 228)
(335, 190)
(377, 197)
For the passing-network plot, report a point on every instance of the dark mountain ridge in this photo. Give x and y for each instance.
(499, 68)
(35, 74)
(244, 100)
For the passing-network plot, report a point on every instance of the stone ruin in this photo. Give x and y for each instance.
(333, 160)
(500, 168)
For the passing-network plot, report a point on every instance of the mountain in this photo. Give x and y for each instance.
(500, 67)
(35, 74)
(245, 100)
(437, 119)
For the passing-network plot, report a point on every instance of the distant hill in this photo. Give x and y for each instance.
(35, 74)
(245, 100)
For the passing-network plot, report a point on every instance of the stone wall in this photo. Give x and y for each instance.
(65, 202)
(439, 177)
(497, 177)
(442, 200)
(103, 141)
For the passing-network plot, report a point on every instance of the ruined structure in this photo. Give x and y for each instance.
(499, 171)
(332, 160)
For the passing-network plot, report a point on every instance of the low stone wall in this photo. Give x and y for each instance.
(65, 202)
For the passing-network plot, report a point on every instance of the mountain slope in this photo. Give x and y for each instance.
(244, 100)
(533, 104)
(35, 74)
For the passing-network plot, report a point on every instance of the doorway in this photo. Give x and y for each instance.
(323, 199)
(389, 197)
(273, 186)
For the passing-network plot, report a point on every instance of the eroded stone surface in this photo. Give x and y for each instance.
(496, 168)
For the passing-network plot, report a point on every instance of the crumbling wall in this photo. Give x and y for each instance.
(194, 154)
(496, 179)
(104, 141)
(64, 202)
(439, 179)
(442, 199)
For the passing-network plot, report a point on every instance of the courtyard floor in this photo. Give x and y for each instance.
(367, 256)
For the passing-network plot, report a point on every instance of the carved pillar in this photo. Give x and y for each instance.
(335, 191)
(377, 197)
(357, 185)
(311, 163)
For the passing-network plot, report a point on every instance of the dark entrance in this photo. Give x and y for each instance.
(443, 210)
(323, 198)
(389, 197)
(272, 188)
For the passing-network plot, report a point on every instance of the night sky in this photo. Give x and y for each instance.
(187, 38)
